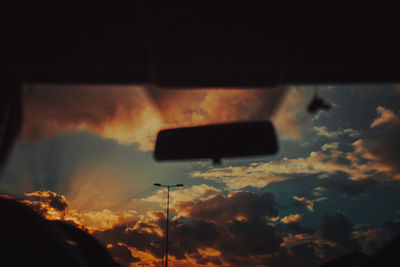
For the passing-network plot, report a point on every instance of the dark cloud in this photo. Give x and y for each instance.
(192, 235)
(303, 255)
(298, 229)
(252, 238)
(340, 182)
(122, 255)
(235, 226)
(339, 229)
(372, 239)
(139, 235)
(336, 228)
(238, 240)
(222, 208)
(393, 226)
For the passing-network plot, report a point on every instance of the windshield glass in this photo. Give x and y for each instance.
(84, 156)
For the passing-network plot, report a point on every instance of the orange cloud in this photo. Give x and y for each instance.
(308, 203)
(53, 206)
(209, 252)
(104, 219)
(157, 200)
(292, 218)
(125, 114)
(379, 145)
(260, 174)
(194, 107)
(285, 119)
(133, 114)
(49, 204)
(292, 240)
(384, 116)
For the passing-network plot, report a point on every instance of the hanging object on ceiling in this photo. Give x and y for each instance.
(317, 104)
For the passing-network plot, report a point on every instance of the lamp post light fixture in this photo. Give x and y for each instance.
(166, 232)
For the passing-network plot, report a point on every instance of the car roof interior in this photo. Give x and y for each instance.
(179, 44)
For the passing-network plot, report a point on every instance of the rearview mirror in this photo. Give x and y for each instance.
(216, 141)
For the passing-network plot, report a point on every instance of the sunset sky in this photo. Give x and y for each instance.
(85, 155)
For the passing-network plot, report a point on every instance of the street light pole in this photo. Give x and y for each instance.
(167, 228)
(166, 234)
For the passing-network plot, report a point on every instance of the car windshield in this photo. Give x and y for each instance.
(85, 156)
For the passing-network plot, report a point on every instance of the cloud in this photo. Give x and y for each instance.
(373, 158)
(247, 205)
(323, 131)
(133, 114)
(105, 219)
(305, 249)
(292, 218)
(125, 114)
(91, 217)
(144, 237)
(122, 255)
(194, 107)
(205, 256)
(219, 229)
(261, 174)
(318, 193)
(302, 201)
(302, 255)
(57, 202)
(285, 119)
(384, 116)
(193, 237)
(295, 227)
(237, 177)
(338, 229)
(380, 144)
(157, 200)
(240, 225)
(193, 193)
(291, 240)
(341, 182)
(53, 206)
(370, 240)
(331, 146)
